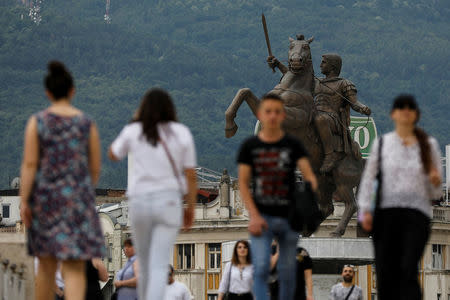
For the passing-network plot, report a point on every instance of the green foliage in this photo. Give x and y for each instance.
(203, 52)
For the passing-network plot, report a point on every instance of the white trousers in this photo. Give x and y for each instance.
(155, 221)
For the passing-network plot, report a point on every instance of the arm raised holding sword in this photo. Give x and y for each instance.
(271, 60)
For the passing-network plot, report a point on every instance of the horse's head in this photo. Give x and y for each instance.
(299, 54)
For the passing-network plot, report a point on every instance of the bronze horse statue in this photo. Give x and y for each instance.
(296, 88)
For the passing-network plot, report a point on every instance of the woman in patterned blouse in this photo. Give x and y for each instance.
(410, 177)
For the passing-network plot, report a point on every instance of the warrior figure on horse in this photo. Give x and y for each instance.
(318, 113)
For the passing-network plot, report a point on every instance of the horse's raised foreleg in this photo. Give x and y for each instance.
(242, 95)
(345, 192)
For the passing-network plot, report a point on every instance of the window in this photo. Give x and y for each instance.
(5, 211)
(213, 297)
(438, 296)
(436, 255)
(214, 256)
(185, 256)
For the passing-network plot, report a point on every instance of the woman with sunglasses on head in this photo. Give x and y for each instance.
(409, 176)
(237, 277)
(163, 170)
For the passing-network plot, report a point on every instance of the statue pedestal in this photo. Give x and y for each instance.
(330, 254)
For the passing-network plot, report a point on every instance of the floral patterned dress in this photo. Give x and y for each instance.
(64, 222)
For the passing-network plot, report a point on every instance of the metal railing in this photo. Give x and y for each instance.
(12, 283)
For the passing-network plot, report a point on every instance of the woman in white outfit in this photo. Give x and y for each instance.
(237, 277)
(163, 163)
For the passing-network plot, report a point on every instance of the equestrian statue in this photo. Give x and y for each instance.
(318, 113)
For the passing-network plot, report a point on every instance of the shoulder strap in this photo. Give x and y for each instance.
(379, 174)
(172, 162)
(229, 277)
(350, 292)
(126, 268)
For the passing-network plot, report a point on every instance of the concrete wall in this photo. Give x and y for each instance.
(195, 281)
(436, 284)
(322, 284)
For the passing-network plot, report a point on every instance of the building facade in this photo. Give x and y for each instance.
(221, 218)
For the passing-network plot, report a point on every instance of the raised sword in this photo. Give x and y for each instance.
(266, 34)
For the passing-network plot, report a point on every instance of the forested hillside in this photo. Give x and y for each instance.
(203, 51)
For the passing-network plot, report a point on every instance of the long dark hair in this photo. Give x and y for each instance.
(406, 100)
(235, 258)
(58, 81)
(156, 107)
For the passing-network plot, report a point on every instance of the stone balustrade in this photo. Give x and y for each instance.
(12, 282)
(16, 268)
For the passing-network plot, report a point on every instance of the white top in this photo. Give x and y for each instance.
(152, 170)
(339, 292)
(239, 284)
(177, 291)
(404, 182)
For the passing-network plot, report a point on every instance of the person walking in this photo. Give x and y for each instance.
(304, 285)
(237, 277)
(95, 271)
(346, 290)
(269, 161)
(176, 290)
(163, 170)
(273, 275)
(127, 277)
(60, 167)
(409, 175)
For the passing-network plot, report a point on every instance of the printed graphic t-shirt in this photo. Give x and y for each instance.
(273, 171)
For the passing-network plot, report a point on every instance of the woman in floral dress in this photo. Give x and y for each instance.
(61, 165)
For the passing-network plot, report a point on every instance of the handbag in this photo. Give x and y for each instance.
(304, 213)
(377, 188)
(376, 193)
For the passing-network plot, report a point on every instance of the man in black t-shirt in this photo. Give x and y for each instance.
(304, 287)
(269, 161)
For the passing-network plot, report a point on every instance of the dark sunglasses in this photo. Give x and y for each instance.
(349, 266)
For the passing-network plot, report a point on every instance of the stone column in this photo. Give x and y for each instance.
(224, 192)
(117, 248)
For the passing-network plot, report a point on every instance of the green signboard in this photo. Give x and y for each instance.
(364, 132)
